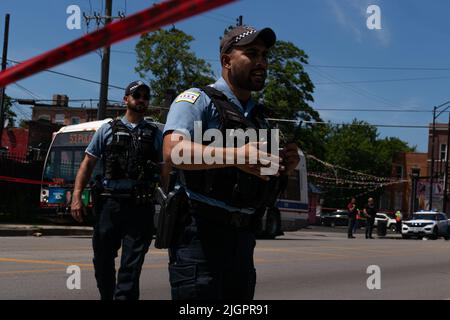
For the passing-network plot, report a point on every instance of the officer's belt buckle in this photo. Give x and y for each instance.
(116, 194)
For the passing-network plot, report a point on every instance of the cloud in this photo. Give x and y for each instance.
(352, 16)
(343, 19)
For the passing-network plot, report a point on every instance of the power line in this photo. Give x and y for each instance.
(383, 81)
(26, 90)
(351, 124)
(227, 20)
(124, 52)
(74, 77)
(359, 91)
(378, 67)
(376, 110)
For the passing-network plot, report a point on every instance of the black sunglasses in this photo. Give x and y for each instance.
(137, 95)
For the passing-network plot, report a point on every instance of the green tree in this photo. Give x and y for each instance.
(386, 149)
(164, 58)
(288, 88)
(353, 146)
(357, 147)
(10, 115)
(287, 95)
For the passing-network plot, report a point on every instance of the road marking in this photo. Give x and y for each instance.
(8, 273)
(51, 262)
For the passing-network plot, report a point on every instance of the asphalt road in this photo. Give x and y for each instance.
(309, 264)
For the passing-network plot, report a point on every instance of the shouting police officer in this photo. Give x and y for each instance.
(130, 149)
(213, 258)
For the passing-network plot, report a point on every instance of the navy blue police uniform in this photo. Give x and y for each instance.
(130, 153)
(213, 258)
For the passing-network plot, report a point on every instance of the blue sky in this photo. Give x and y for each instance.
(332, 32)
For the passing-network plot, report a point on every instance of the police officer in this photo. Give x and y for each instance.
(214, 257)
(130, 149)
(370, 212)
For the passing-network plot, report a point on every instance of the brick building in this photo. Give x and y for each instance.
(49, 118)
(15, 142)
(405, 165)
(60, 113)
(440, 158)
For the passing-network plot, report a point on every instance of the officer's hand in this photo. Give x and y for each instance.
(77, 209)
(257, 162)
(290, 157)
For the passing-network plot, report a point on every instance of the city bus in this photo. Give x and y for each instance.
(61, 165)
(67, 151)
(291, 210)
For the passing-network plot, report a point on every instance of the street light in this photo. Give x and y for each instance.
(435, 116)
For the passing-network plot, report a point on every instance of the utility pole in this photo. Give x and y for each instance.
(2, 90)
(240, 21)
(435, 116)
(432, 160)
(106, 53)
(444, 206)
(101, 113)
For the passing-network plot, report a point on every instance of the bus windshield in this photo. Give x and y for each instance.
(66, 155)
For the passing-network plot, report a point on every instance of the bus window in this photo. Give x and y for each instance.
(63, 163)
(292, 192)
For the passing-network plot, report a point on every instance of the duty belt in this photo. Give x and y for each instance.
(221, 216)
(139, 197)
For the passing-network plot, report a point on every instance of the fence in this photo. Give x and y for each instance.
(19, 202)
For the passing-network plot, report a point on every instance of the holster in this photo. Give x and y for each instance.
(172, 217)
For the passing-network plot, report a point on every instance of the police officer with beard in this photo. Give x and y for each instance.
(131, 149)
(214, 257)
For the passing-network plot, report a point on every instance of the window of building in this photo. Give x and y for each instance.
(44, 117)
(59, 118)
(443, 152)
(75, 120)
(399, 172)
(416, 172)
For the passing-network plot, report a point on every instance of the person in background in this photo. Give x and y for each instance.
(398, 220)
(352, 212)
(370, 212)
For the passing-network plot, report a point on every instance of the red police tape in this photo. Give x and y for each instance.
(21, 180)
(147, 20)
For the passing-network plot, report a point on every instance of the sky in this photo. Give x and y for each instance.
(402, 67)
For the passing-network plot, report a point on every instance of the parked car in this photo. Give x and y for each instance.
(426, 224)
(336, 218)
(390, 221)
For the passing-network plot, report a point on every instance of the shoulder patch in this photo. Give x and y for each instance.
(188, 96)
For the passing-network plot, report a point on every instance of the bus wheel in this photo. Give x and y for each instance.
(273, 223)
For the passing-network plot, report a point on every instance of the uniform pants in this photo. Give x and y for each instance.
(351, 226)
(369, 227)
(121, 224)
(213, 262)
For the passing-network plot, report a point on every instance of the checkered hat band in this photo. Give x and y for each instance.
(243, 35)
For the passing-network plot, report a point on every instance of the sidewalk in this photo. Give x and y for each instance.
(342, 231)
(19, 230)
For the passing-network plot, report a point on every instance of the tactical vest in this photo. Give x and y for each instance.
(231, 185)
(131, 154)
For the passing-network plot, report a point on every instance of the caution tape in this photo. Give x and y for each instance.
(151, 19)
(22, 180)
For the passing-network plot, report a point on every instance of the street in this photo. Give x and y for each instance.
(307, 264)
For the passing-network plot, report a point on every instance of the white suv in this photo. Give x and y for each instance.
(390, 222)
(426, 224)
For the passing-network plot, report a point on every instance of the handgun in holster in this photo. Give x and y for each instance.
(172, 216)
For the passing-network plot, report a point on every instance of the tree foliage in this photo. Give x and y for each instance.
(357, 146)
(164, 58)
(10, 115)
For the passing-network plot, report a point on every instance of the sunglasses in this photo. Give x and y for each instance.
(137, 96)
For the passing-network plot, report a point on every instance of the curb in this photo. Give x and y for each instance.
(40, 231)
